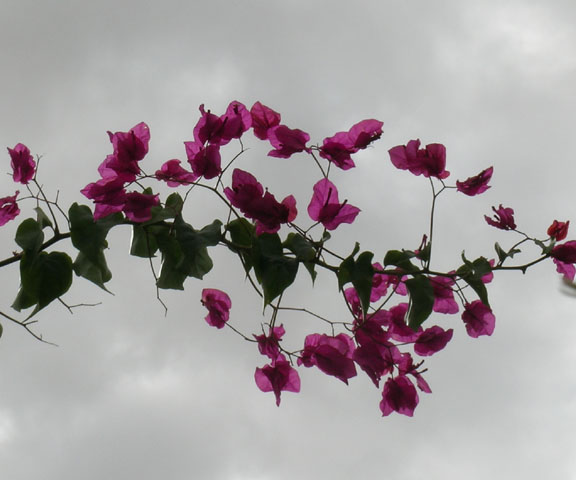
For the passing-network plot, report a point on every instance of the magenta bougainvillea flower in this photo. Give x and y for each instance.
(249, 196)
(503, 218)
(399, 395)
(565, 253)
(558, 230)
(490, 275)
(443, 295)
(214, 130)
(377, 359)
(23, 165)
(477, 184)
(235, 122)
(327, 209)
(108, 194)
(332, 355)
(204, 160)
(372, 329)
(567, 270)
(397, 327)
(218, 304)
(245, 190)
(9, 209)
(479, 319)
(263, 119)
(429, 161)
(137, 206)
(277, 377)
(287, 141)
(339, 148)
(269, 345)
(379, 283)
(129, 148)
(365, 132)
(174, 175)
(432, 340)
(208, 128)
(406, 366)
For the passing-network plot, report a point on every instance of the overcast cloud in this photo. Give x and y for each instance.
(132, 394)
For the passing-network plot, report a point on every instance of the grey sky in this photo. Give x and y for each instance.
(131, 394)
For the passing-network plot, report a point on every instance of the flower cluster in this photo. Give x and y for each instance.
(387, 302)
(119, 169)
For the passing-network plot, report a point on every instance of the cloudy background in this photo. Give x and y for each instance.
(133, 394)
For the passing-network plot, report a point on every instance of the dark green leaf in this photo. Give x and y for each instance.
(274, 271)
(89, 237)
(502, 255)
(171, 209)
(29, 235)
(44, 277)
(304, 251)
(472, 273)
(42, 218)
(170, 276)
(421, 300)
(400, 259)
(360, 273)
(300, 246)
(94, 270)
(424, 254)
(144, 239)
(241, 232)
(184, 253)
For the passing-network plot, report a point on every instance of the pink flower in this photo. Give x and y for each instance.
(477, 184)
(364, 133)
(430, 161)
(332, 355)
(558, 230)
(174, 175)
(218, 304)
(432, 340)
(263, 119)
(443, 295)
(567, 270)
(287, 141)
(399, 395)
(205, 161)
(565, 253)
(217, 131)
(338, 148)
(490, 275)
(208, 128)
(379, 283)
(479, 319)
(377, 359)
(108, 194)
(235, 122)
(503, 218)
(372, 329)
(397, 327)
(129, 148)
(406, 367)
(326, 208)
(8, 208)
(269, 345)
(137, 206)
(277, 377)
(248, 195)
(23, 165)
